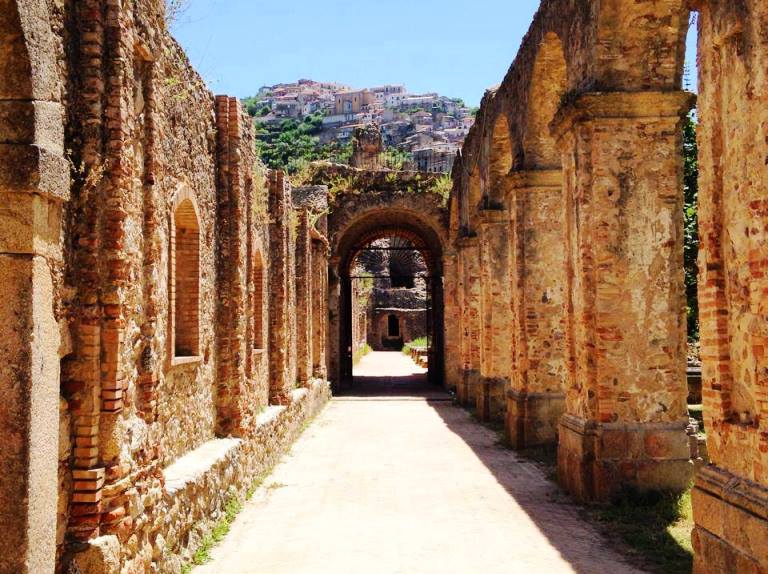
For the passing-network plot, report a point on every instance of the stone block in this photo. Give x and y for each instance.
(731, 517)
(596, 461)
(32, 123)
(29, 224)
(29, 421)
(532, 418)
(33, 169)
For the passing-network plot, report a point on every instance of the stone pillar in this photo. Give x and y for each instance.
(730, 497)
(626, 415)
(469, 287)
(279, 291)
(536, 399)
(232, 310)
(34, 183)
(303, 300)
(452, 310)
(496, 332)
(319, 306)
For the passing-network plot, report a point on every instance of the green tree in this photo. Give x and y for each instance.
(691, 219)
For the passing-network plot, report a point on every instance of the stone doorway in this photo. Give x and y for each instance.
(389, 329)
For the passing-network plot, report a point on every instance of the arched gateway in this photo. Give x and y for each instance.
(356, 221)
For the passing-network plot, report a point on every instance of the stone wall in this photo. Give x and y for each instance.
(731, 496)
(412, 324)
(137, 240)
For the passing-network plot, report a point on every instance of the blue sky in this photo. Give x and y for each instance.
(451, 47)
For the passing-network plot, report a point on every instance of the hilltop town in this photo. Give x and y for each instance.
(420, 131)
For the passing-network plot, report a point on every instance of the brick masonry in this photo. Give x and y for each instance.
(137, 224)
(136, 219)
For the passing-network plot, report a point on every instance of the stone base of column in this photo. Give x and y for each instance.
(465, 390)
(731, 517)
(490, 399)
(596, 460)
(533, 418)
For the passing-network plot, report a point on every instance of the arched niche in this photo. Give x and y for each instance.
(548, 86)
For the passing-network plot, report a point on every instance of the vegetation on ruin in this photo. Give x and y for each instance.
(360, 353)
(691, 245)
(656, 525)
(342, 179)
(175, 9)
(203, 554)
(416, 343)
(443, 187)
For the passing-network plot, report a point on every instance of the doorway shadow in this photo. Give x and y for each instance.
(392, 375)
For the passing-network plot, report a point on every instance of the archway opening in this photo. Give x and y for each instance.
(391, 315)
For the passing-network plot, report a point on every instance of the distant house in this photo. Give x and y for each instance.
(422, 118)
(438, 158)
(353, 102)
(383, 92)
(418, 101)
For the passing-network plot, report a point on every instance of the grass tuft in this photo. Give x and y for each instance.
(657, 525)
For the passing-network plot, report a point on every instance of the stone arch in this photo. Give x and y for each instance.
(34, 180)
(640, 45)
(27, 59)
(501, 159)
(356, 221)
(547, 88)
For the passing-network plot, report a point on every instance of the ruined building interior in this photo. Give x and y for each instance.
(174, 313)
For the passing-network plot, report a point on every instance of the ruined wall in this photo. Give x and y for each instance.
(412, 325)
(371, 205)
(553, 195)
(157, 275)
(314, 200)
(731, 497)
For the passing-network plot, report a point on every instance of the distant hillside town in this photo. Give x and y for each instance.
(309, 120)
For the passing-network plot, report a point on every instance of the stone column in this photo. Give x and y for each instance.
(34, 183)
(303, 300)
(536, 399)
(626, 413)
(337, 313)
(279, 291)
(319, 306)
(730, 497)
(469, 287)
(232, 309)
(452, 312)
(496, 331)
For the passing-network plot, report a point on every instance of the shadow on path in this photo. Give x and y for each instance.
(391, 375)
(553, 512)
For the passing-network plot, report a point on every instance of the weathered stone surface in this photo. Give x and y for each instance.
(371, 205)
(140, 243)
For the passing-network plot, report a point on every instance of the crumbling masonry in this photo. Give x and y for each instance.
(168, 304)
(569, 304)
(150, 273)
